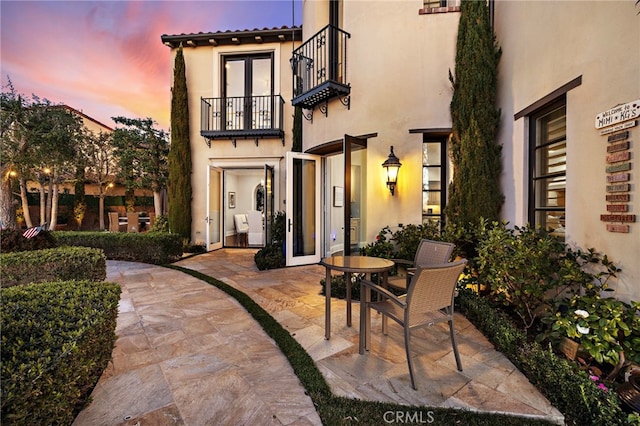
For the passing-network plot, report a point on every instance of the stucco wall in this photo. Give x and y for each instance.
(598, 41)
(203, 71)
(398, 63)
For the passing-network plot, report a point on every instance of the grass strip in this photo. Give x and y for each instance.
(335, 410)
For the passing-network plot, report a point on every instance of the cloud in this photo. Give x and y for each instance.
(106, 57)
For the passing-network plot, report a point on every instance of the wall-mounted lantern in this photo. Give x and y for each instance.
(392, 164)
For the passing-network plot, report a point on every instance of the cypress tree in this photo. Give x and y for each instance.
(475, 190)
(179, 159)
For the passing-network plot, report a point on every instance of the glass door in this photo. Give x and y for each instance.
(303, 209)
(268, 203)
(214, 209)
(248, 89)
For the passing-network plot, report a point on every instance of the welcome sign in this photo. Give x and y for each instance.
(618, 114)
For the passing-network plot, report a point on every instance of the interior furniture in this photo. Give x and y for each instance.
(114, 222)
(349, 265)
(429, 252)
(429, 300)
(256, 228)
(242, 228)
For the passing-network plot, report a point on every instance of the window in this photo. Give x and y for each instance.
(429, 4)
(548, 167)
(248, 89)
(434, 178)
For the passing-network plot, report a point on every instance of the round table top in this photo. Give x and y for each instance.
(357, 263)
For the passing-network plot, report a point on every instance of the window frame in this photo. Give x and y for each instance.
(247, 59)
(443, 167)
(537, 151)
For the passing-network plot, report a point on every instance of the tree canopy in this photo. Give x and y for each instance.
(38, 142)
(142, 152)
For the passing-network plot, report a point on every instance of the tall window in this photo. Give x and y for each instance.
(548, 167)
(434, 179)
(248, 86)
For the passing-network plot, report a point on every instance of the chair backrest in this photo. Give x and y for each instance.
(242, 226)
(432, 288)
(254, 218)
(432, 253)
(114, 222)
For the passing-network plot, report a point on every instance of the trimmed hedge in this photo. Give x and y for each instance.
(57, 339)
(156, 248)
(12, 240)
(567, 387)
(54, 264)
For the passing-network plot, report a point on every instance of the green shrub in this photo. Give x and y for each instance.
(160, 224)
(403, 243)
(12, 240)
(567, 387)
(382, 247)
(272, 256)
(521, 266)
(604, 327)
(61, 263)
(408, 237)
(57, 339)
(151, 247)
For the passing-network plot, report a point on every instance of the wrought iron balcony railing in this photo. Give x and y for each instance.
(320, 68)
(242, 117)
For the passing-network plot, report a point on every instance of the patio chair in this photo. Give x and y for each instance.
(429, 253)
(429, 301)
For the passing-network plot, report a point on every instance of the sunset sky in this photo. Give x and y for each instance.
(105, 58)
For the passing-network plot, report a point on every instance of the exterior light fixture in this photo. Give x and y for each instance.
(392, 165)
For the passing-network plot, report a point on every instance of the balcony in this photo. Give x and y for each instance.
(242, 117)
(320, 68)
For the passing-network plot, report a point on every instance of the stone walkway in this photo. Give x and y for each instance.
(189, 354)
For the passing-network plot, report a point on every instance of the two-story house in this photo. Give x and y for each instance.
(241, 119)
(372, 75)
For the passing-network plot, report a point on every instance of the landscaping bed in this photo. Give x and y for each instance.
(529, 292)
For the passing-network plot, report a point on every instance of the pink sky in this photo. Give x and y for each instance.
(105, 58)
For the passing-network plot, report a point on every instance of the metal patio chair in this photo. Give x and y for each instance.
(429, 253)
(429, 301)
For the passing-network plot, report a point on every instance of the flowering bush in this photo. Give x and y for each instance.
(605, 327)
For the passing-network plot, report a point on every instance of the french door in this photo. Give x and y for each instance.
(214, 209)
(303, 209)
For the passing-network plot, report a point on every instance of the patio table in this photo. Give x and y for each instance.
(349, 265)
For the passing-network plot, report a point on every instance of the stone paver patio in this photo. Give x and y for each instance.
(187, 353)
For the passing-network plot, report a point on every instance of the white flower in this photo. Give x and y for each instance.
(583, 330)
(582, 314)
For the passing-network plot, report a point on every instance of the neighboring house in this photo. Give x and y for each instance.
(370, 75)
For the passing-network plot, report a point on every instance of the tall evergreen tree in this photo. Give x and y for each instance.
(179, 184)
(475, 190)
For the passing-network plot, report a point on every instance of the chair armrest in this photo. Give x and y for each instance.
(383, 291)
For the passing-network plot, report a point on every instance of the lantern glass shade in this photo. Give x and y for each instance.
(392, 165)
